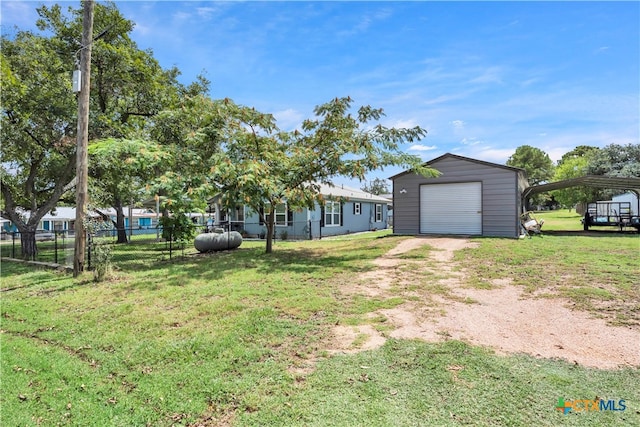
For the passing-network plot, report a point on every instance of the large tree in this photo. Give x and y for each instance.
(264, 167)
(616, 160)
(191, 132)
(581, 151)
(572, 167)
(534, 161)
(120, 171)
(538, 166)
(376, 186)
(39, 108)
(38, 128)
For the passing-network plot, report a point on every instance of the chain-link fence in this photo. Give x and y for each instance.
(58, 246)
(50, 246)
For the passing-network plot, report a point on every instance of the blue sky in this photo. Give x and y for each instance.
(481, 77)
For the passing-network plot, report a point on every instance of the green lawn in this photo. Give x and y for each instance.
(240, 338)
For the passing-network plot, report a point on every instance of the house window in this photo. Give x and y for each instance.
(332, 214)
(378, 212)
(240, 213)
(283, 216)
(144, 222)
(45, 225)
(357, 208)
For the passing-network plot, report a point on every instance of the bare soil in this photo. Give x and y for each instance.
(439, 306)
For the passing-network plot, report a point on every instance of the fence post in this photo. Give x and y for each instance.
(89, 245)
(13, 244)
(310, 231)
(55, 246)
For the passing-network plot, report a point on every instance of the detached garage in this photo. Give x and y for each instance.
(470, 197)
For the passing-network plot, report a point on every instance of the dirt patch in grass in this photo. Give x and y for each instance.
(503, 317)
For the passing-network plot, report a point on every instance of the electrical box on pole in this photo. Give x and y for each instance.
(77, 81)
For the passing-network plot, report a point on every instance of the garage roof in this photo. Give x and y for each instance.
(598, 181)
(455, 156)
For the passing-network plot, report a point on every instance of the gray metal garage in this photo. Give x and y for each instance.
(470, 197)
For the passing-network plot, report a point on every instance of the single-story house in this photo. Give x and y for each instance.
(345, 210)
(138, 219)
(63, 218)
(58, 219)
(470, 197)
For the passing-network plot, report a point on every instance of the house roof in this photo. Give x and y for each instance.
(350, 193)
(597, 181)
(68, 213)
(60, 213)
(467, 159)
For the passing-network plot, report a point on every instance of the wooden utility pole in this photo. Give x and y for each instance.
(82, 160)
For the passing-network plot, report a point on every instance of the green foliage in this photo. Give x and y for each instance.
(102, 251)
(534, 161)
(581, 151)
(538, 166)
(37, 127)
(101, 260)
(120, 168)
(261, 166)
(39, 108)
(572, 167)
(377, 186)
(616, 160)
(177, 228)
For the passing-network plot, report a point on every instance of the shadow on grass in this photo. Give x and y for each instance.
(627, 233)
(215, 266)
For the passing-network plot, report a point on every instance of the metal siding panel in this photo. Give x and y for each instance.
(451, 208)
(500, 195)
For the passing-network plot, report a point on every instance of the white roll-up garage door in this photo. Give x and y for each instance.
(451, 208)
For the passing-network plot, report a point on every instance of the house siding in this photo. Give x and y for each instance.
(305, 221)
(501, 188)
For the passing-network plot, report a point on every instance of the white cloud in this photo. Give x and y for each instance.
(410, 123)
(206, 12)
(457, 125)
(421, 147)
(471, 141)
(494, 155)
(288, 119)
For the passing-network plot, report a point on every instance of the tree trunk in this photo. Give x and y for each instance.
(122, 231)
(28, 243)
(270, 223)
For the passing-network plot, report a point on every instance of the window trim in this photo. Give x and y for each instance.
(288, 215)
(357, 208)
(330, 213)
(378, 214)
(281, 213)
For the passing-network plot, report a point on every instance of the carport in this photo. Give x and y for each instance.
(594, 181)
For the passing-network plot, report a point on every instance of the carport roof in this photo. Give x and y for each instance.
(598, 181)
